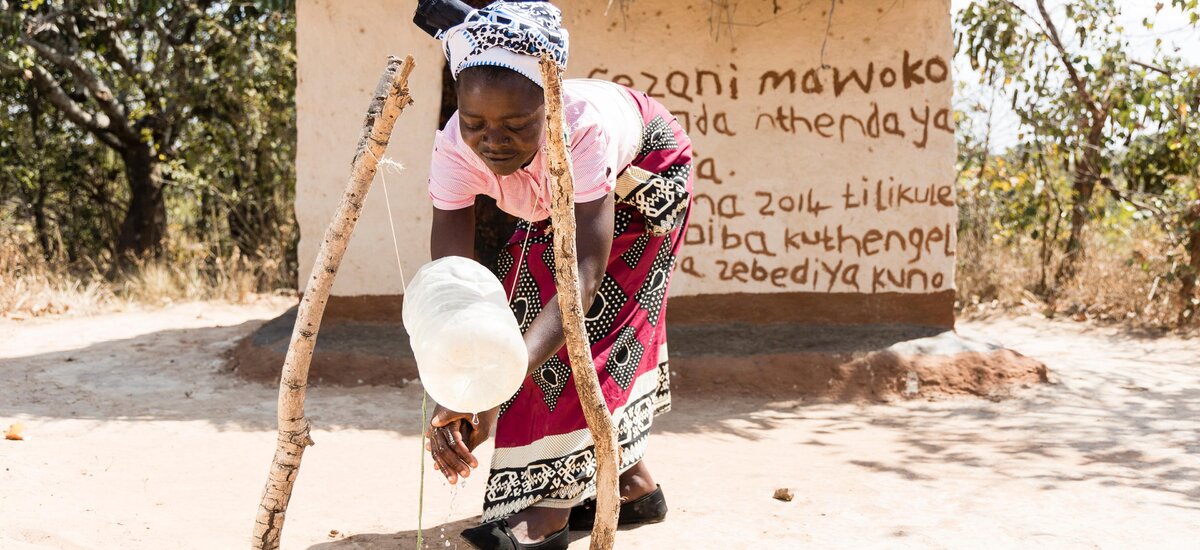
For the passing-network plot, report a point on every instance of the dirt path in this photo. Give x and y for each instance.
(135, 440)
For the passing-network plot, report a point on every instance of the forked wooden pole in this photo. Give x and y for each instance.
(390, 99)
(566, 273)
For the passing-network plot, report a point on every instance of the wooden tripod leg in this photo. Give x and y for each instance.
(390, 99)
(566, 264)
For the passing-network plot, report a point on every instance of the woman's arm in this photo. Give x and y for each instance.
(451, 435)
(453, 233)
(593, 238)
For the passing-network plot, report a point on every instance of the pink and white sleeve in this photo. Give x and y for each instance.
(593, 161)
(452, 179)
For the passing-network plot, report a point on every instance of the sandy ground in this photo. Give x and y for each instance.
(135, 440)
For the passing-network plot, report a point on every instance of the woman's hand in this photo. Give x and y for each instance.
(451, 436)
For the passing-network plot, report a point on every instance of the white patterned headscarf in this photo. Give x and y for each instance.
(512, 35)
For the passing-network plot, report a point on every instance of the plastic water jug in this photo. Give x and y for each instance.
(468, 347)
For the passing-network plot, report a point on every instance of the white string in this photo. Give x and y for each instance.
(389, 163)
(386, 164)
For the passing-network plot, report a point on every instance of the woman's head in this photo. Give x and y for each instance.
(500, 116)
(513, 35)
(495, 55)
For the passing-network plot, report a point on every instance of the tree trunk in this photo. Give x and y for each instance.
(40, 227)
(1083, 189)
(1187, 288)
(390, 98)
(144, 230)
(1044, 254)
(579, 349)
(1087, 173)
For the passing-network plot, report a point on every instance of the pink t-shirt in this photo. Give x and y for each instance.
(604, 129)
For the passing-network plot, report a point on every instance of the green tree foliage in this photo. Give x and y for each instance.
(1094, 119)
(138, 129)
(68, 191)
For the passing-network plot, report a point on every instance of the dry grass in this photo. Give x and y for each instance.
(1123, 277)
(31, 286)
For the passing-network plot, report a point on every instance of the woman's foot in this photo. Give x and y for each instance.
(637, 482)
(501, 534)
(535, 523)
(641, 501)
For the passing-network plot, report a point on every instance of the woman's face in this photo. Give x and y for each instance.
(501, 119)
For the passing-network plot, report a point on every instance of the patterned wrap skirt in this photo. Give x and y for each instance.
(544, 452)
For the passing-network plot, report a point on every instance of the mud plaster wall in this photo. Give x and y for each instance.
(809, 180)
(342, 47)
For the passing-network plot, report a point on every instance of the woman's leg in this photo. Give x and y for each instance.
(637, 482)
(537, 522)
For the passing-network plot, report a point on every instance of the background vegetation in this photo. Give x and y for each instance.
(1094, 211)
(147, 154)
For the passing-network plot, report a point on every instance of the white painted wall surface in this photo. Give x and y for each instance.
(342, 46)
(780, 170)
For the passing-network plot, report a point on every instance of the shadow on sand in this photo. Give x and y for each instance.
(443, 536)
(1112, 412)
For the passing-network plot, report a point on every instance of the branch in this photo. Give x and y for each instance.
(1152, 67)
(97, 124)
(99, 90)
(1031, 19)
(566, 278)
(165, 39)
(1052, 34)
(174, 126)
(181, 75)
(390, 99)
(8, 69)
(116, 51)
(195, 13)
(1165, 218)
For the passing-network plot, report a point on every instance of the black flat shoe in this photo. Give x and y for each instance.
(650, 508)
(495, 535)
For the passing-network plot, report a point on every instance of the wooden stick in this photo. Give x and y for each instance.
(390, 99)
(566, 272)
